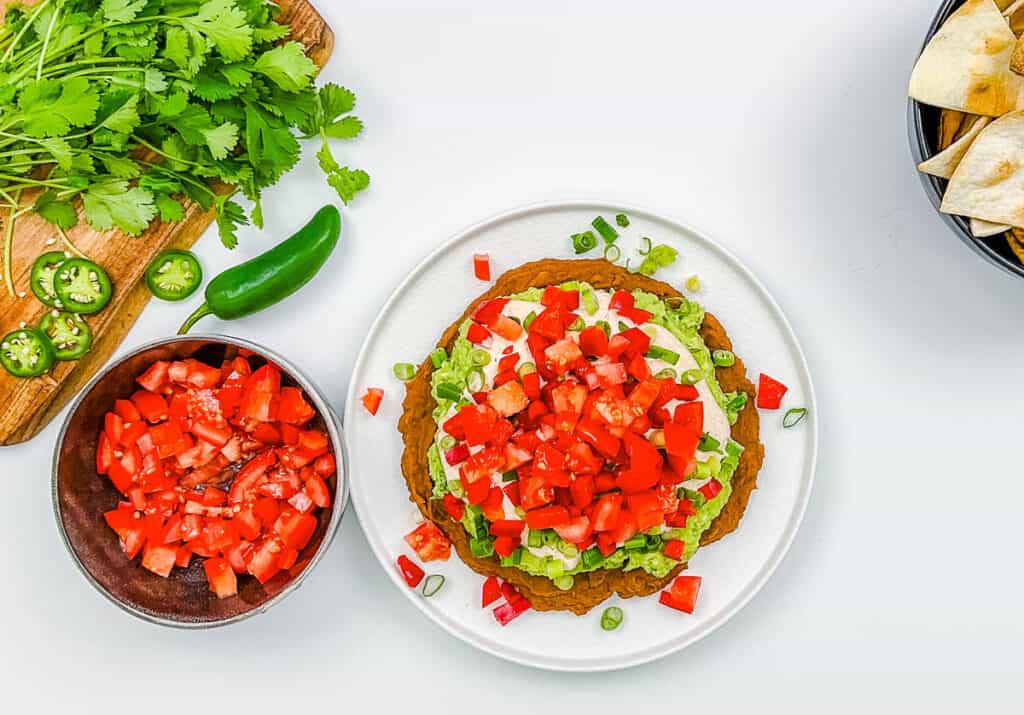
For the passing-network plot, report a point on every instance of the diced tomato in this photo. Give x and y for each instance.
(531, 385)
(639, 342)
(555, 296)
(489, 311)
(482, 465)
(265, 559)
(127, 411)
(221, 577)
(492, 505)
(453, 506)
(507, 527)
(547, 517)
(609, 374)
(646, 509)
(575, 531)
(457, 454)
(482, 266)
(411, 573)
(301, 501)
(711, 489)
(598, 437)
(509, 399)
(491, 591)
(429, 542)
(606, 513)
(453, 426)
(154, 379)
(562, 355)
(512, 492)
(593, 341)
(621, 300)
(477, 334)
(505, 546)
(535, 492)
(217, 434)
(625, 527)
(317, 489)
(550, 324)
(104, 454)
(770, 392)
(516, 456)
(293, 408)
(371, 399)
(674, 549)
(476, 492)
(325, 465)
(150, 405)
(582, 490)
(159, 558)
(683, 594)
(507, 328)
(506, 612)
(477, 421)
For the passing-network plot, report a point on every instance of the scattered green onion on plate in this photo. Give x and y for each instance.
(611, 618)
(794, 417)
(404, 370)
(432, 584)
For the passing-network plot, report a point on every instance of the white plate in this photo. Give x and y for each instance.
(734, 569)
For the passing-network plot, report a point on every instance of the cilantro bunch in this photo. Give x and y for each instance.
(131, 106)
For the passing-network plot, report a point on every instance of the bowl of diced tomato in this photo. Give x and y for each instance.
(197, 481)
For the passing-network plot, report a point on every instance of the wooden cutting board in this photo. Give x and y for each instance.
(29, 405)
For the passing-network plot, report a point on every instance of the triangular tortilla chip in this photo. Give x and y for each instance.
(989, 182)
(1016, 241)
(966, 64)
(945, 162)
(984, 229)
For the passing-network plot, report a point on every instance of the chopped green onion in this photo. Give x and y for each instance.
(526, 368)
(567, 549)
(733, 448)
(563, 583)
(603, 324)
(693, 284)
(737, 403)
(510, 476)
(577, 324)
(480, 357)
(481, 548)
(514, 558)
(691, 377)
(591, 557)
(708, 443)
(666, 373)
(515, 320)
(534, 538)
(589, 301)
(659, 353)
(612, 253)
(623, 327)
(432, 584)
(554, 568)
(404, 370)
(583, 242)
(794, 417)
(723, 358)
(609, 234)
(622, 220)
(448, 391)
(647, 246)
(550, 537)
(530, 317)
(654, 542)
(476, 381)
(637, 542)
(455, 487)
(611, 618)
(447, 442)
(438, 357)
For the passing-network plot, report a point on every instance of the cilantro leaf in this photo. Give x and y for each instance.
(113, 204)
(59, 213)
(120, 166)
(222, 139)
(224, 26)
(125, 118)
(336, 100)
(171, 210)
(186, 48)
(60, 150)
(347, 128)
(192, 124)
(121, 10)
(348, 182)
(173, 105)
(230, 217)
(49, 108)
(287, 66)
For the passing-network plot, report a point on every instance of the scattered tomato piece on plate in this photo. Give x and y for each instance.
(429, 542)
(482, 266)
(372, 398)
(491, 591)
(770, 392)
(683, 594)
(411, 573)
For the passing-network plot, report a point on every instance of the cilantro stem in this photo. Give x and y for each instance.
(21, 33)
(67, 242)
(8, 243)
(46, 42)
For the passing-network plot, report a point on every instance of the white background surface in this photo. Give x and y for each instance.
(779, 127)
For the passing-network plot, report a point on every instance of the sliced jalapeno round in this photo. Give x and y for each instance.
(26, 352)
(41, 279)
(174, 275)
(69, 334)
(82, 286)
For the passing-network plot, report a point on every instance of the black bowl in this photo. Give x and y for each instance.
(923, 125)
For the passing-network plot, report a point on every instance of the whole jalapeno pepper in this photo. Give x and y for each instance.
(272, 276)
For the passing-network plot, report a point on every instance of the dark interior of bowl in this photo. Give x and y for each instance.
(924, 140)
(83, 496)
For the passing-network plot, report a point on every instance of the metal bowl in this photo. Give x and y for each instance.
(923, 126)
(80, 496)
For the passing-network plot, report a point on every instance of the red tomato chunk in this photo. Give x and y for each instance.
(216, 462)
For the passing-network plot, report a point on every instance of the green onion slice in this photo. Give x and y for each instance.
(708, 443)
(659, 353)
(480, 357)
(609, 234)
(691, 377)
(666, 373)
(723, 358)
(438, 357)
(647, 246)
(622, 220)
(577, 324)
(530, 317)
(603, 324)
(432, 584)
(404, 370)
(447, 442)
(448, 391)
(612, 253)
(476, 381)
(794, 417)
(526, 368)
(510, 476)
(583, 242)
(563, 583)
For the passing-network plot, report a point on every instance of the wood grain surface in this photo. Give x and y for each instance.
(29, 405)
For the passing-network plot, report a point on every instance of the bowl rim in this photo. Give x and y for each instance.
(933, 186)
(335, 432)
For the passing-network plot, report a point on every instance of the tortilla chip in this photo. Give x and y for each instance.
(950, 121)
(984, 229)
(945, 162)
(989, 182)
(966, 64)
(1016, 240)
